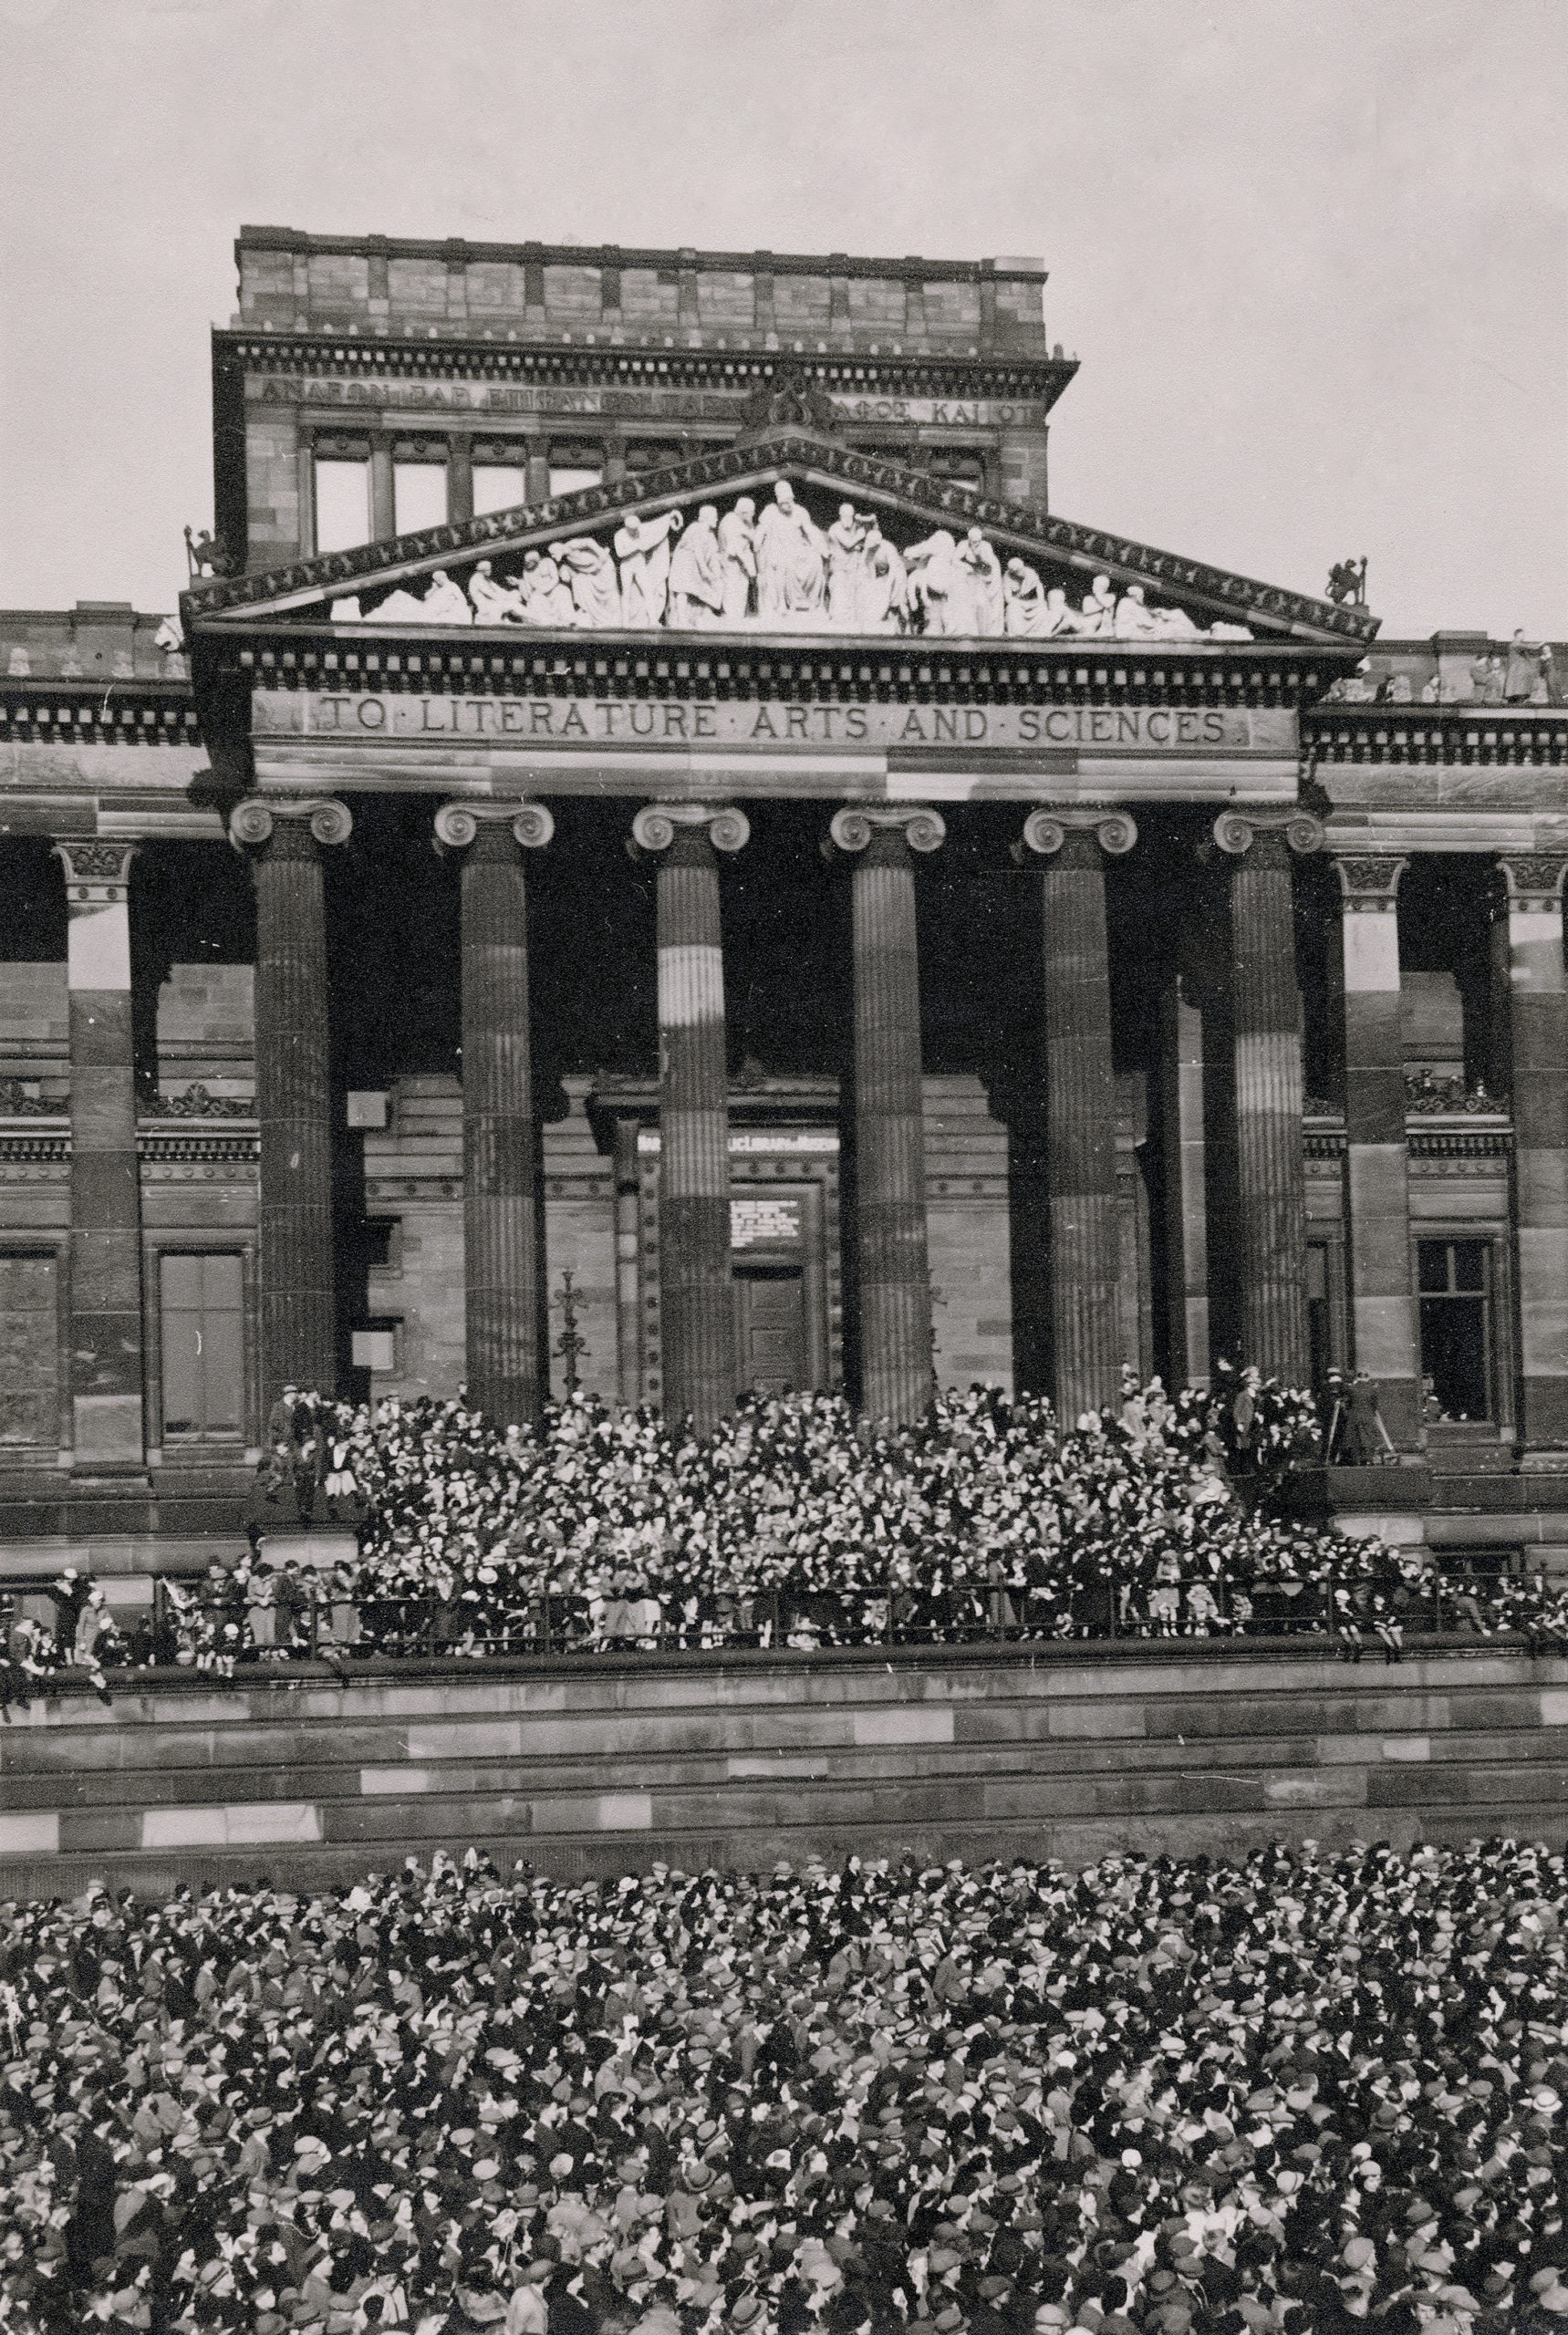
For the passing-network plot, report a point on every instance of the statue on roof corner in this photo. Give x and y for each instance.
(1347, 582)
(208, 555)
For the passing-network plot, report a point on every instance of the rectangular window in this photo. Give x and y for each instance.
(1454, 1287)
(418, 496)
(575, 464)
(342, 503)
(202, 1318)
(29, 1350)
(498, 486)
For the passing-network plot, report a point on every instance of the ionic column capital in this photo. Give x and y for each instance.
(97, 874)
(1369, 882)
(458, 824)
(656, 824)
(287, 828)
(852, 828)
(1531, 882)
(1047, 831)
(1236, 832)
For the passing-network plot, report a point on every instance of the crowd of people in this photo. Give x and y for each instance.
(795, 1522)
(1307, 2093)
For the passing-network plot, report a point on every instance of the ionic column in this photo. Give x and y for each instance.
(284, 840)
(105, 1380)
(502, 1327)
(1271, 1220)
(698, 1311)
(890, 1133)
(1080, 1103)
(1533, 1000)
(1384, 1325)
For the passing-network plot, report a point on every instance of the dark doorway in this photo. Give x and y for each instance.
(770, 1327)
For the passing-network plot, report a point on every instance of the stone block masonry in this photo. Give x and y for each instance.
(1072, 1753)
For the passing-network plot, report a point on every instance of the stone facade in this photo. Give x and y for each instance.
(1174, 974)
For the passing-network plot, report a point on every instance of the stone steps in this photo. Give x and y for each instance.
(701, 1758)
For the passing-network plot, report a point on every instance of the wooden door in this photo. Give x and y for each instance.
(770, 1327)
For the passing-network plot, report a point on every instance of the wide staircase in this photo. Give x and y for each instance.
(588, 1765)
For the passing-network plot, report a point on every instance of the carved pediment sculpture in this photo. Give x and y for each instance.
(779, 569)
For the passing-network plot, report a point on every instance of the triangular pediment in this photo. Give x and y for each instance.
(755, 539)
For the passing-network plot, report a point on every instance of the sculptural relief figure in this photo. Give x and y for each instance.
(791, 552)
(493, 603)
(589, 570)
(845, 542)
(642, 548)
(1023, 600)
(884, 588)
(938, 589)
(547, 593)
(697, 575)
(444, 603)
(982, 572)
(737, 544)
(1099, 609)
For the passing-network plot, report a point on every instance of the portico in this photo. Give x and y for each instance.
(888, 747)
(751, 895)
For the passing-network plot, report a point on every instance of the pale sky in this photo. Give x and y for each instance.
(1311, 251)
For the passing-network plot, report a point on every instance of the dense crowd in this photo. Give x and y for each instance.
(794, 1521)
(1315, 2090)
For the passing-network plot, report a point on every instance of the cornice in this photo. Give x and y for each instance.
(1437, 734)
(813, 459)
(737, 363)
(125, 712)
(459, 249)
(887, 670)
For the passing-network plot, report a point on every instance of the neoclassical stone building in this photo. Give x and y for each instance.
(659, 862)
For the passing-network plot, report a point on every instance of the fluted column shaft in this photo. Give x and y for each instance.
(699, 1306)
(1384, 1334)
(1270, 1225)
(298, 1327)
(501, 1337)
(894, 1274)
(1533, 1000)
(698, 1363)
(105, 1343)
(1080, 1130)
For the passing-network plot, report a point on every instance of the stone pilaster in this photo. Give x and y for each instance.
(698, 1360)
(628, 1276)
(285, 840)
(894, 1283)
(1385, 1331)
(1270, 1225)
(1080, 1103)
(105, 1347)
(503, 1332)
(1181, 1064)
(1533, 1013)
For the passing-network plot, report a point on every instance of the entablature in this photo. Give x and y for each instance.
(633, 369)
(1373, 733)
